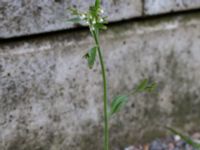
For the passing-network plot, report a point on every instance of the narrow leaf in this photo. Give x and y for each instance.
(105, 20)
(91, 56)
(100, 26)
(142, 86)
(75, 20)
(145, 86)
(151, 87)
(187, 139)
(117, 103)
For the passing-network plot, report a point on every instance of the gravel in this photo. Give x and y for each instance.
(168, 143)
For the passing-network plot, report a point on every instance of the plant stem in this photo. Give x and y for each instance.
(106, 120)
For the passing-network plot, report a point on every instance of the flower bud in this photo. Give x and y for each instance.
(101, 11)
(92, 28)
(83, 16)
(94, 21)
(101, 20)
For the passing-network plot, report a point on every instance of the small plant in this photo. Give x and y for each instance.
(95, 20)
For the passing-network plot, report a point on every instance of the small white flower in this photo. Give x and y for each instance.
(94, 22)
(83, 16)
(101, 11)
(87, 22)
(100, 20)
(92, 28)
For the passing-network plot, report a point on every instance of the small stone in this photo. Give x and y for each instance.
(180, 144)
(196, 136)
(146, 147)
(158, 145)
(130, 148)
(171, 146)
(188, 147)
(177, 138)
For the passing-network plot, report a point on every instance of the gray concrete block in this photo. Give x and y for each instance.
(50, 100)
(20, 17)
(153, 7)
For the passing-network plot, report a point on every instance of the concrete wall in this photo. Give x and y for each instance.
(50, 100)
(159, 6)
(20, 17)
(36, 16)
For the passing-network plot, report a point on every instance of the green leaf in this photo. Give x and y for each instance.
(117, 103)
(95, 8)
(151, 87)
(91, 56)
(100, 26)
(142, 86)
(93, 11)
(74, 11)
(105, 20)
(187, 139)
(75, 20)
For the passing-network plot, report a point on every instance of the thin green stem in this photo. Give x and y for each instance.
(106, 119)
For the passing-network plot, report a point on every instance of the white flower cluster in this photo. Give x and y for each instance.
(92, 20)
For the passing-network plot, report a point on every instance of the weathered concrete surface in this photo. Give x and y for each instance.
(50, 100)
(163, 6)
(20, 17)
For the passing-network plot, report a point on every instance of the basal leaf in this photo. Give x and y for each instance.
(91, 56)
(187, 139)
(117, 103)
